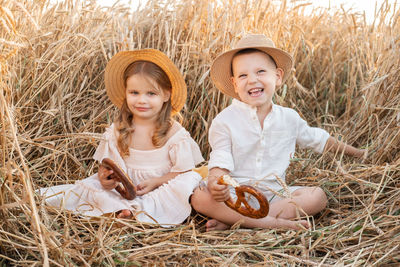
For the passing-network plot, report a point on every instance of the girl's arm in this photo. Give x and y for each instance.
(151, 184)
(334, 145)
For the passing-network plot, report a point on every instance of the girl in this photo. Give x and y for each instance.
(155, 151)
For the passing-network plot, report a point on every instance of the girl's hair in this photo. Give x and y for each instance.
(125, 124)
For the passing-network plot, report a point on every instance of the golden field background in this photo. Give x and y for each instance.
(54, 108)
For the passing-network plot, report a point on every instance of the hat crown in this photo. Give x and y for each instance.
(254, 40)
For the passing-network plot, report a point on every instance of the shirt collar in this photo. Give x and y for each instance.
(247, 107)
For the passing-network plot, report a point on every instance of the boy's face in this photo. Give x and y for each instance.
(255, 78)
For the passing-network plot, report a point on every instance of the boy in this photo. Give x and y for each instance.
(253, 139)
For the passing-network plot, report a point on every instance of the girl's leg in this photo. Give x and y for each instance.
(304, 201)
(204, 203)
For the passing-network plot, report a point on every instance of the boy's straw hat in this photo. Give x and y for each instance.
(114, 75)
(221, 67)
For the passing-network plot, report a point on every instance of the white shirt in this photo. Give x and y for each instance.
(257, 155)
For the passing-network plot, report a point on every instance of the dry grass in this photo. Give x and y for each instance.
(53, 108)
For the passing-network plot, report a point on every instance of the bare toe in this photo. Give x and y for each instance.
(299, 225)
(305, 224)
(213, 225)
(288, 224)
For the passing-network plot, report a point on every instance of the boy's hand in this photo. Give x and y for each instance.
(104, 174)
(360, 153)
(363, 154)
(219, 192)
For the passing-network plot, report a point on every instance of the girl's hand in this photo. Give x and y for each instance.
(104, 174)
(147, 186)
(219, 192)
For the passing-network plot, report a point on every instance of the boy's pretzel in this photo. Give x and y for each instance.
(127, 191)
(247, 210)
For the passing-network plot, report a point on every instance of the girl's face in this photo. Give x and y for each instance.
(144, 97)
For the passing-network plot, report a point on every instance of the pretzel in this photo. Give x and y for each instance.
(247, 210)
(128, 190)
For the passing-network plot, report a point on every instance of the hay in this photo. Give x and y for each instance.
(53, 109)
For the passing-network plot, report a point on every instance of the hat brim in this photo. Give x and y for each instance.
(114, 76)
(221, 67)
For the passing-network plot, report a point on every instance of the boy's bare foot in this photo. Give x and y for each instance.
(214, 224)
(124, 214)
(295, 225)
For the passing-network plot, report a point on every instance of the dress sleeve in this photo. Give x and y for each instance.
(221, 147)
(184, 153)
(108, 148)
(311, 137)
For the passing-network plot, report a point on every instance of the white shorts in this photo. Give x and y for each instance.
(271, 196)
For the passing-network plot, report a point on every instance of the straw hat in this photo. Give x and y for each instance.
(221, 67)
(114, 75)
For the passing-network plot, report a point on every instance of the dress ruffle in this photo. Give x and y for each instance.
(108, 148)
(184, 154)
(85, 197)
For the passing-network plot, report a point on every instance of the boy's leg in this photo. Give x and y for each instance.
(304, 201)
(204, 203)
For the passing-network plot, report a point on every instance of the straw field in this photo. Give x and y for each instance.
(54, 109)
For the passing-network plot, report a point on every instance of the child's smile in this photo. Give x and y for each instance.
(256, 92)
(141, 109)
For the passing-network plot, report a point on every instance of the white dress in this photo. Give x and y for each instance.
(168, 204)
